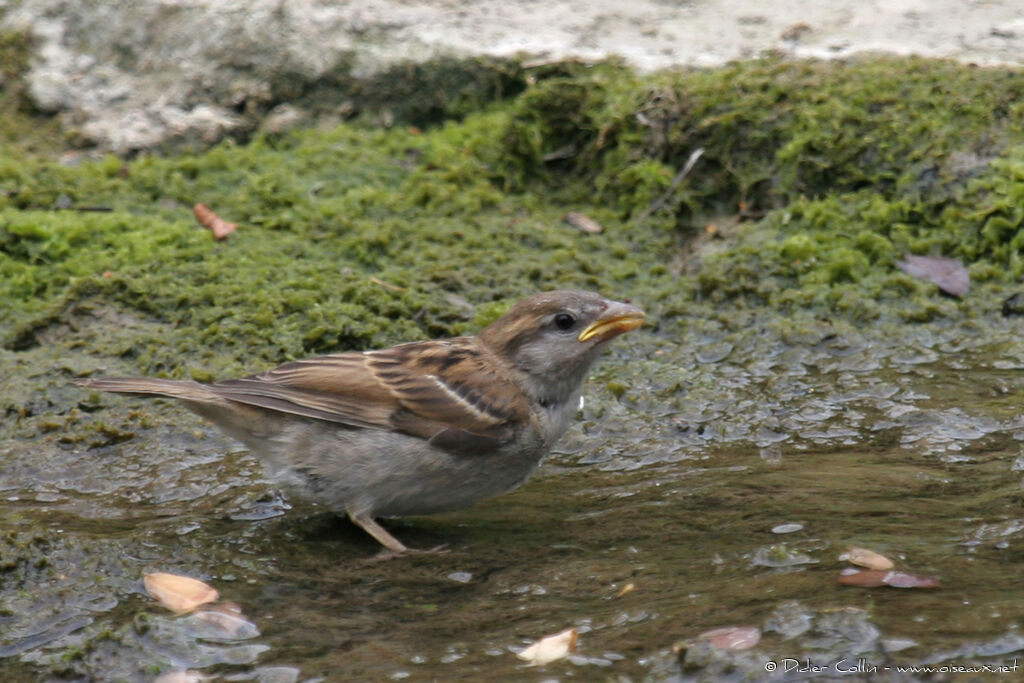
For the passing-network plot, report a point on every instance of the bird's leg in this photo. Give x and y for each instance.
(367, 524)
(394, 547)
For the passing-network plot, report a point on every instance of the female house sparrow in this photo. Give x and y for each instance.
(417, 428)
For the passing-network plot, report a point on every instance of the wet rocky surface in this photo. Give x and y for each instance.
(794, 394)
(722, 483)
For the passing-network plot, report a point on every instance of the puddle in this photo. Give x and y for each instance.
(722, 486)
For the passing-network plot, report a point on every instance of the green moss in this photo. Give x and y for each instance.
(343, 244)
(856, 238)
(772, 130)
(616, 389)
(20, 553)
(353, 237)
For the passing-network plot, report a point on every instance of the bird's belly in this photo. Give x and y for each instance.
(388, 474)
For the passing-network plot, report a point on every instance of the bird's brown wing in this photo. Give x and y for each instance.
(449, 391)
(338, 388)
(452, 391)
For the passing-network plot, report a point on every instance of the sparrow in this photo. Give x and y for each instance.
(418, 428)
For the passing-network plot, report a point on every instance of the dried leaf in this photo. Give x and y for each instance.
(583, 223)
(873, 578)
(212, 222)
(549, 649)
(179, 594)
(949, 274)
(863, 557)
(626, 590)
(732, 637)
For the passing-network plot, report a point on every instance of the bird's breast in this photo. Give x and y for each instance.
(556, 417)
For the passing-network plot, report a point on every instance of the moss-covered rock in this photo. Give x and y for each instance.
(772, 130)
(354, 237)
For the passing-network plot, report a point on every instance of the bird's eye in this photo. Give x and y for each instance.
(564, 321)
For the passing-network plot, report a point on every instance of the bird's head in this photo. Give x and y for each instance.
(553, 337)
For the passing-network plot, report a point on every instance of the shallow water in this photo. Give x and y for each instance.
(722, 485)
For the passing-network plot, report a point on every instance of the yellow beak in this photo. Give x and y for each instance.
(618, 319)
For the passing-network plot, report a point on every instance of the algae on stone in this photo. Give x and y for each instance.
(850, 164)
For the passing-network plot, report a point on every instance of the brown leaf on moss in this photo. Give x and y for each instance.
(583, 223)
(212, 222)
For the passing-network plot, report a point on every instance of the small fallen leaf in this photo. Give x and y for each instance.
(732, 637)
(627, 589)
(549, 649)
(179, 594)
(873, 578)
(948, 274)
(583, 223)
(863, 557)
(212, 222)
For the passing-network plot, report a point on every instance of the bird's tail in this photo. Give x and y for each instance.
(172, 388)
